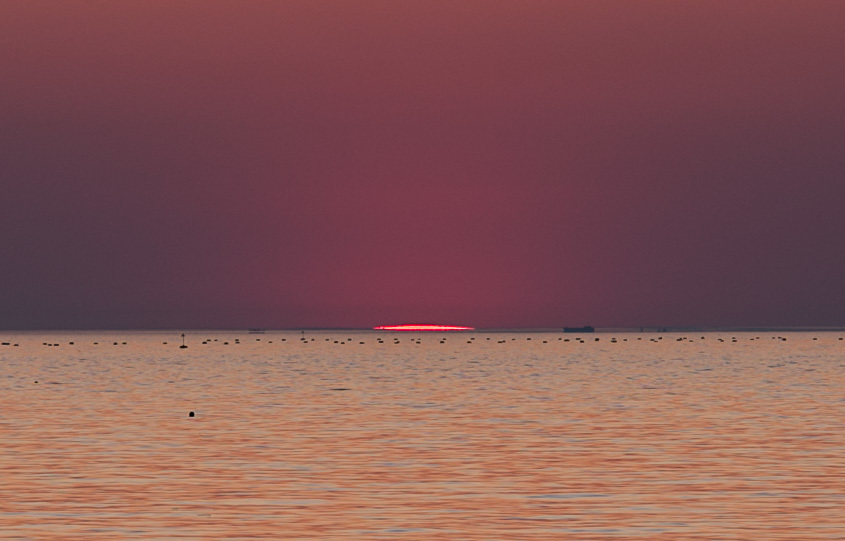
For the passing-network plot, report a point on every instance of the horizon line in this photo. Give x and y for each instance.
(449, 328)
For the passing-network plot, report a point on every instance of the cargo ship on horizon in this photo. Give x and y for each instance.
(584, 329)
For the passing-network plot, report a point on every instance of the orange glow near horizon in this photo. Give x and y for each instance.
(422, 328)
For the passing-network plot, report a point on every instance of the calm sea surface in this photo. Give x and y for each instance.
(484, 436)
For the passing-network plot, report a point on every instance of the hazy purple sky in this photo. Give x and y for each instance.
(488, 163)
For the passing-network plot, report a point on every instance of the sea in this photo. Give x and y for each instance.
(435, 436)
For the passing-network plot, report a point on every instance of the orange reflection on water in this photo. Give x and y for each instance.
(499, 438)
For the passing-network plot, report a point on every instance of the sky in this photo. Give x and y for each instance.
(228, 164)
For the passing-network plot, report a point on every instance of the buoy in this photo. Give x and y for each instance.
(191, 414)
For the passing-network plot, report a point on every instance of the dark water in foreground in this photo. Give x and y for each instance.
(506, 438)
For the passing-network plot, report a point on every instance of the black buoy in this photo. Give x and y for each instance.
(183, 346)
(190, 414)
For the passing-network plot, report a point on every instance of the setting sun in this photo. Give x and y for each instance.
(422, 328)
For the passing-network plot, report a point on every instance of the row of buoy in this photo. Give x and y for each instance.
(442, 340)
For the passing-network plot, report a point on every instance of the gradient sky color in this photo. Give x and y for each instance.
(484, 163)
